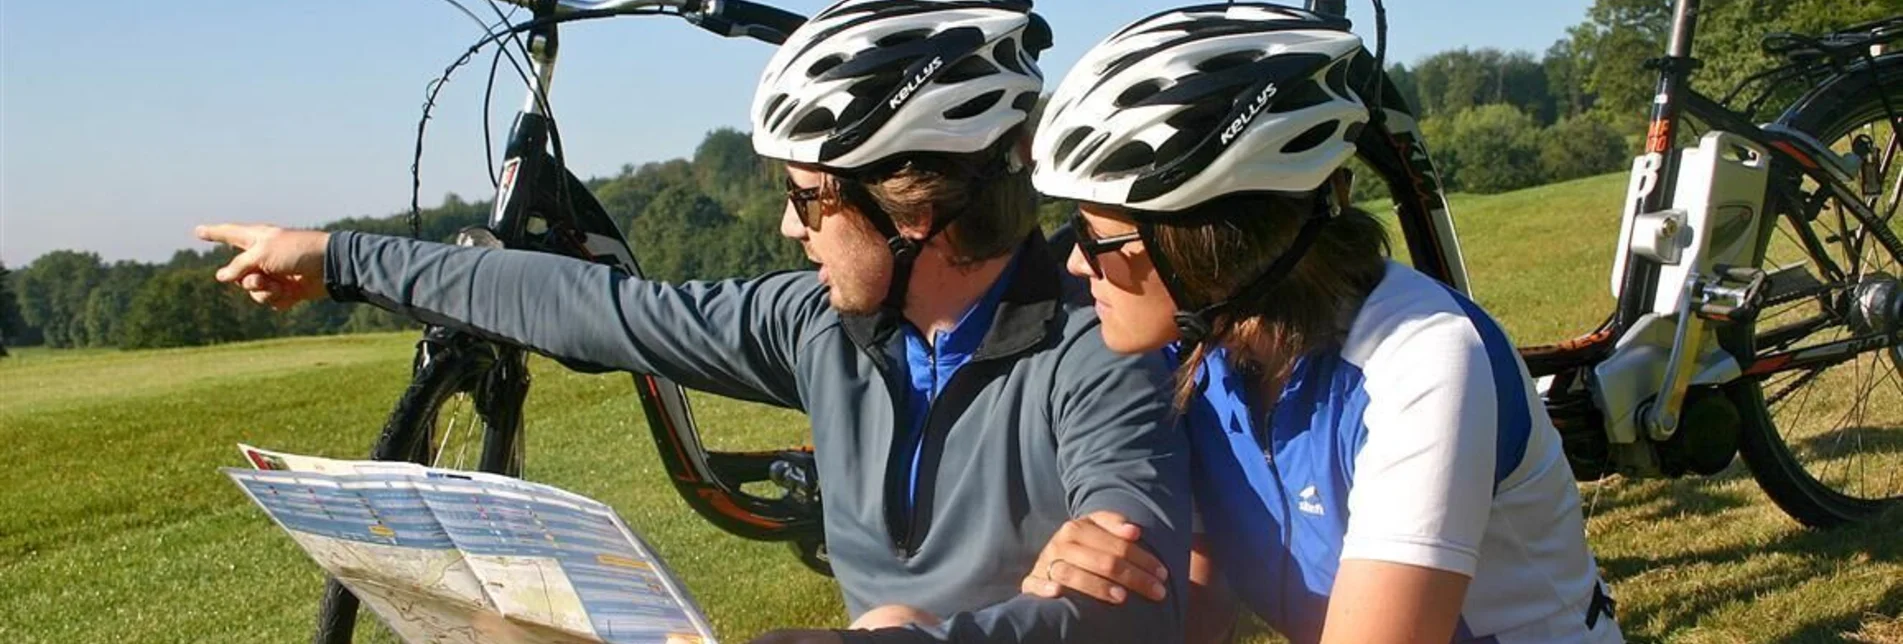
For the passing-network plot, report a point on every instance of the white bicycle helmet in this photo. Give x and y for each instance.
(865, 80)
(1201, 102)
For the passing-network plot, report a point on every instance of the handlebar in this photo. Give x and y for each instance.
(733, 18)
(728, 18)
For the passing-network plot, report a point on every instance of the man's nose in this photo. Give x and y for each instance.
(790, 225)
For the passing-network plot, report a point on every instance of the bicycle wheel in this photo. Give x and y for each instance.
(462, 410)
(1826, 442)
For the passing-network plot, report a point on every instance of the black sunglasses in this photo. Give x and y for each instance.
(1091, 246)
(802, 200)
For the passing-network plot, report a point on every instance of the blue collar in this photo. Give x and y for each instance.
(1230, 402)
(1022, 311)
(958, 344)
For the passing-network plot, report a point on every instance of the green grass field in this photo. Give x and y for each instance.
(116, 526)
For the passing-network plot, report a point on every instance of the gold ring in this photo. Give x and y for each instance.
(1050, 569)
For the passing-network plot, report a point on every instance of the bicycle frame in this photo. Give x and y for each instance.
(556, 213)
(1393, 147)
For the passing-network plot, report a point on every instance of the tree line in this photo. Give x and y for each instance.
(1494, 121)
(1497, 121)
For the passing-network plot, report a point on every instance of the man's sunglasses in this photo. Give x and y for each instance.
(1091, 246)
(802, 200)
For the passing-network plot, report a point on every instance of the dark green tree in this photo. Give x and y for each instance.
(676, 232)
(1455, 80)
(107, 305)
(11, 326)
(52, 295)
(1582, 146)
(1488, 149)
(1565, 80)
(726, 169)
(183, 307)
(1406, 85)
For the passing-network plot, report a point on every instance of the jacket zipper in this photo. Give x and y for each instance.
(914, 448)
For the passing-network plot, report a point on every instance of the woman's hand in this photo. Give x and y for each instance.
(278, 268)
(1100, 556)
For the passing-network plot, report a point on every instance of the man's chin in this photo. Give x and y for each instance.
(850, 305)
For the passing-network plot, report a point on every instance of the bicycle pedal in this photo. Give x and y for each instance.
(1739, 274)
(1733, 296)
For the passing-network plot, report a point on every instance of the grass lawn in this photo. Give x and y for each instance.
(115, 525)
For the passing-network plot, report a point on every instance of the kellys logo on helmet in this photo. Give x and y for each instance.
(1248, 116)
(916, 82)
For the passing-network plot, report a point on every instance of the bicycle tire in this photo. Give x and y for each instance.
(1830, 112)
(445, 368)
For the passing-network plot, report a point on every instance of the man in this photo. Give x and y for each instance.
(962, 411)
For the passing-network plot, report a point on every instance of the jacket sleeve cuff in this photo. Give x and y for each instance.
(340, 275)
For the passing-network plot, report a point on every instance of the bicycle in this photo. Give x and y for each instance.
(1715, 330)
(1709, 337)
(540, 206)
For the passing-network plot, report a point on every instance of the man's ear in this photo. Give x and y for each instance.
(918, 229)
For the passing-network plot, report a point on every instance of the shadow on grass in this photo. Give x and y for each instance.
(1668, 500)
(1812, 553)
(1862, 440)
(1849, 627)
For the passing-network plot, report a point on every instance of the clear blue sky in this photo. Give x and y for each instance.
(125, 122)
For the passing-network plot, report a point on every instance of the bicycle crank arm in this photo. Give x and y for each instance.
(1703, 301)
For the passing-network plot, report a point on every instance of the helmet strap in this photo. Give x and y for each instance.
(905, 250)
(1195, 327)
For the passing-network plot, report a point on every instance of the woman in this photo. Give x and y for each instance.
(1372, 462)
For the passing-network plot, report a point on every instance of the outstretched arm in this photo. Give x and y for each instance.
(733, 338)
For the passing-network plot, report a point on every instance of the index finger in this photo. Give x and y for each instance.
(234, 234)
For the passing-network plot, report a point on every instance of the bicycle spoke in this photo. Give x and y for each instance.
(1887, 166)
(1800, 380)
(1803, 403)
(1889, 482)
(1852, 421)
(1843, 423)
(443, 437)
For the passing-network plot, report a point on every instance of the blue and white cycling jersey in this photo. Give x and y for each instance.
(1422, 442)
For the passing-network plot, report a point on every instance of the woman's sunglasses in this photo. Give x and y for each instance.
(802, 200)
(1091, 246)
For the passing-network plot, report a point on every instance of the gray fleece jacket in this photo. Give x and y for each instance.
(1042, 425)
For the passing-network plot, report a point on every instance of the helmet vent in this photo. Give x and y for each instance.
(1089, 149)
(975, 106)
(1313, 137)
(967, 69)
(1201, 119)
(1132, 156)
(876, 87)
(1006, 53)
(1070, 141)
(1304, 94)
(1229, 60)
(824, 65)
(1338, 79)
(1137, 93)
(1353, 133)
(903, 37)
(817, 122)
(773, 114)
(1026, 102)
